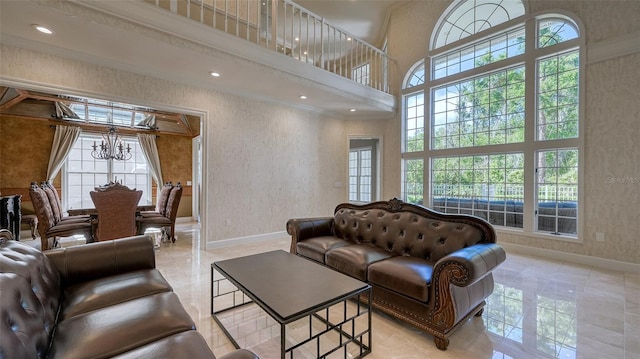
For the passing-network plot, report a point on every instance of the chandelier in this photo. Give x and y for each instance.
(111, 147)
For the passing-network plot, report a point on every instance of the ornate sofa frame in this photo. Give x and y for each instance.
(429, 269)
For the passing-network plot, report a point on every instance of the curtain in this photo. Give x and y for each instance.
(148, 121)
(64, 111)
(63, 140)
(150, 151)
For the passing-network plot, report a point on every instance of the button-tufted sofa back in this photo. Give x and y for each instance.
(30, 295)
(410, 230)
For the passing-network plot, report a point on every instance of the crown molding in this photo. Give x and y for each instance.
(613, 47)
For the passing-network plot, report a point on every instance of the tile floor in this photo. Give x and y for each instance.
(539, 309)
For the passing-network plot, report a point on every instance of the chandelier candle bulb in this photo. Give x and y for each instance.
(113, 148)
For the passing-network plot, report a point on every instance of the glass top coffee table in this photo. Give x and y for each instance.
(309, 302)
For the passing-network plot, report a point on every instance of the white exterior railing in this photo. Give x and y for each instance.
(292, 30)
(499, 192)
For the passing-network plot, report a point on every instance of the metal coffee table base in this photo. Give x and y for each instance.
(352, 324)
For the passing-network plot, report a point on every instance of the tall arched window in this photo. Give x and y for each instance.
(491, 118)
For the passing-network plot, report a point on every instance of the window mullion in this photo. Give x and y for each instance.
(530, 127)
(359, 176)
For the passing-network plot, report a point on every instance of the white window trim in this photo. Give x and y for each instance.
(65, 174)
(530, 146)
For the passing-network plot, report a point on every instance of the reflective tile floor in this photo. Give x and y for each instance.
(539, 309)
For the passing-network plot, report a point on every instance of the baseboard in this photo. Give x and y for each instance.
(244, 240)
(602, 263)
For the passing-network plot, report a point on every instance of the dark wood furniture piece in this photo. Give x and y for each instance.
(161, 202)
(165, 219)
(32, 221)
(290, 288)
(429, 269)
(94, 212)
(116, 205)
(51, 224)
(10, 213)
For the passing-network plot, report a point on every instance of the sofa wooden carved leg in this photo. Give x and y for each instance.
(441, 343)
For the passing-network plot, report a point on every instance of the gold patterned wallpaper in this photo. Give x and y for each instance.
(25, 144)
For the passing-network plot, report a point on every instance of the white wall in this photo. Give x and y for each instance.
(263, 163)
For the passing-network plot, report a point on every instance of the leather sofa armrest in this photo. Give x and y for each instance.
(82, 263)
(468, 265)
(303, 228)
(467, 269)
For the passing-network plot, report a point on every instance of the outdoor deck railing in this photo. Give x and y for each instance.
(290, 29)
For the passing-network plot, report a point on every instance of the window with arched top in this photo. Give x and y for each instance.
(491, 118)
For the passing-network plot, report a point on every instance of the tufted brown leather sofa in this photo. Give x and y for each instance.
(99, 300)
(429, 269)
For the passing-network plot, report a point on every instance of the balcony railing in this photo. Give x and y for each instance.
(290, 29)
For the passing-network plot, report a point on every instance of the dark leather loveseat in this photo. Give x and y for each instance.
(429, 269)
(99, 300)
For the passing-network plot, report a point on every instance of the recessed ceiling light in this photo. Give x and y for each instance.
(303, 97)
(297, 39)
(348, 38)
(42, 29)
(215, 74)
(352, 110)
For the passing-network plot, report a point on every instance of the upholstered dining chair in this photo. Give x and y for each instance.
(56, 205)
(161, 201)
(116, 206)
(169, 218)
(48, 227)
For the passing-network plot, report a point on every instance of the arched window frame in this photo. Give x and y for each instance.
(531, 147)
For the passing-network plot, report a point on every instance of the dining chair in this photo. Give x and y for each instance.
(161, 201)
(56, 205)
(169, 218)
(116, 206)
(48, 227)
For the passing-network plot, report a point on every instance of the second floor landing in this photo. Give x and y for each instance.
(141, 37)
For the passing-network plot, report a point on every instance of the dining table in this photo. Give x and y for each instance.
(94, 212)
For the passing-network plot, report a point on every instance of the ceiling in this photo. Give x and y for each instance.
(118, 34)
(365, 19)
(33, 104)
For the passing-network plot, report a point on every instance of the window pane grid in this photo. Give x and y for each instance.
(487, 186)
(557, 97)
(557, 191)
(414, 122)
(413, 181)
(486, 110)
(497, 48)
(552, 31)
(353, 175)
(417, 77)
(84, 173)
(360, 175)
